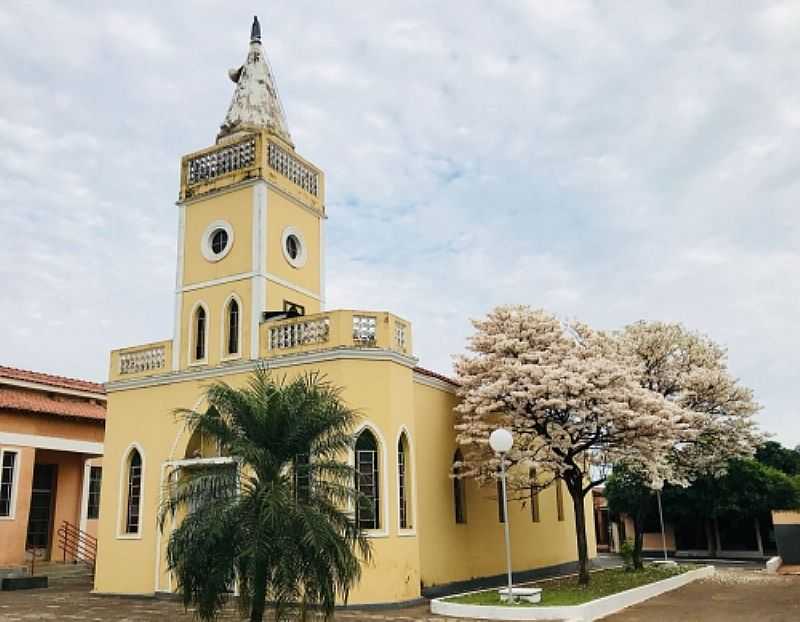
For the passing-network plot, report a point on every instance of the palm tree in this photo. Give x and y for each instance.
(278, 519)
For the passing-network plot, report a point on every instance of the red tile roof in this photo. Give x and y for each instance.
(41, 402)
(433, 374)
(55, 381)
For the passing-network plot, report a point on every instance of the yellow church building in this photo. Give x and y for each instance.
(250, 290)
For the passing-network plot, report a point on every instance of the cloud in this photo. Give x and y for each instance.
(607, 164)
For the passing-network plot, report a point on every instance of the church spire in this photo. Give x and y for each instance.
(255, 103)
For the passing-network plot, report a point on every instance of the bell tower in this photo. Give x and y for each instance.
(251, 226)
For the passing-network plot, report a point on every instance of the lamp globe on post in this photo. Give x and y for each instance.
(501, 441)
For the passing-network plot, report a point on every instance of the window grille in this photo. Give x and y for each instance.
(9, 464)
(402, 484)
(302, 477)
(233, 327)
(364, 330)
(367, 482)
(132, 515)
(200, 334)
(93, 506)
(400, 336)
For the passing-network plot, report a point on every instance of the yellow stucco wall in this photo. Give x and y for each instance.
(381, 390)
(283, 213)
(234, 207)
(452, 552)
(433, 550)
(215, 299)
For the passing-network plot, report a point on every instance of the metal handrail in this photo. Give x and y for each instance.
(77, 544)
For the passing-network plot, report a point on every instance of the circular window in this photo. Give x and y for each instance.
(294, 247)
(217, 240)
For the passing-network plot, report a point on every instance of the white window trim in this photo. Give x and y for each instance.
(14, 481)
(410, 481)
(205, 241)
(383, 458)
(300, 260)
(87, 469)
(122, 505)
(223, 340)
(192, 340)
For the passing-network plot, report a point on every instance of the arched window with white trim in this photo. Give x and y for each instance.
(133, 500)
(404, 479)
(232, 328)
(199, 333)
(368, 515)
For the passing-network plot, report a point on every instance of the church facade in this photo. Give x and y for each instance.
(250, 290)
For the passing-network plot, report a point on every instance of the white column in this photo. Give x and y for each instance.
(87, 471)
(258, 280)
(176, 334)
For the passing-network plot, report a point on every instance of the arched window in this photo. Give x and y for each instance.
(200, 321)
(367, 481)
(559, 500)
(134, 499)
(535, 516)
(501, 507)
(459, 492)
(404, 481)
(232, 327)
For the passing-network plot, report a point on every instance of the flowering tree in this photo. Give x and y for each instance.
(690, 371)
(567, 395)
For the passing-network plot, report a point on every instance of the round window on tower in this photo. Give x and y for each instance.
(294, 247)
(217, 240)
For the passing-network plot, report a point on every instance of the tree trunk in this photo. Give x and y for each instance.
(638, 533)
(638, 541)
(576, 492)
(259, 592)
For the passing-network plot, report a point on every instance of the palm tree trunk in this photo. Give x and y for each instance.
(259, 592)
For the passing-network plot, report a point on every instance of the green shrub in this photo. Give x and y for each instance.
(626, 550)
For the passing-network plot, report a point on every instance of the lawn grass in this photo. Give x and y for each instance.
(566, 591)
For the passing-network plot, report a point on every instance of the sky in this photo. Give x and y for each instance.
(609, 162)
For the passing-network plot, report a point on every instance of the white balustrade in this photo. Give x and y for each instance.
(148, 359)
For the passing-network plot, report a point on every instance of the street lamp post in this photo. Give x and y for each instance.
(501, 442)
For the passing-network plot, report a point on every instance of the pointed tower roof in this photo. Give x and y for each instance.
(255, 103)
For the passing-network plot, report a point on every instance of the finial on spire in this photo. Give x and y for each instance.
(255, 30)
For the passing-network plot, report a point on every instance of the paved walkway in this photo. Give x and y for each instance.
(733, 595)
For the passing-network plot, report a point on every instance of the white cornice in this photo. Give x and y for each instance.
(41, 386)
(434, 383)
(277, 362)
(56, 443)
(242, 276)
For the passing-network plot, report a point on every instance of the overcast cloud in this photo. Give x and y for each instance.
(607, 161)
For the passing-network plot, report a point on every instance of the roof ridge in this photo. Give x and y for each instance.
(16, 373)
